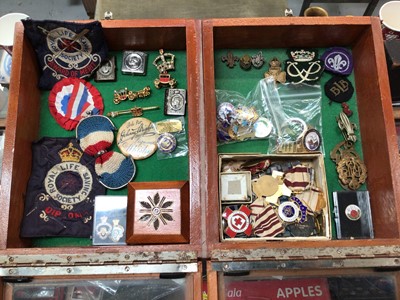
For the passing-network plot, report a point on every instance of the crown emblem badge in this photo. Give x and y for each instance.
(70, 153)
(164, 63)
(303, 66)
(302, 55)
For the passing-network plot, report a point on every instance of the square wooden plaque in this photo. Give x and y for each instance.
(158, 212)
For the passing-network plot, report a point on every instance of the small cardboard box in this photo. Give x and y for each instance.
(314, 161)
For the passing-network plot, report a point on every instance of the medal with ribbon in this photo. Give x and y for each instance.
(95, 135)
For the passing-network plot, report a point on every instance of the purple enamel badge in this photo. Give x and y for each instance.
(338, 60)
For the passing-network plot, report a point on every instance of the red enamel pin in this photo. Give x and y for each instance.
(238, 221)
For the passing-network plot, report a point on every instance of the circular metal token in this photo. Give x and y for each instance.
(312, 140)
(166, 143)
(262, 127)
(293, 129)
(137, 138)
(226, 112)
(238, 221)
(133, 61)
(288, 212)
(265, 186)
(353, 212)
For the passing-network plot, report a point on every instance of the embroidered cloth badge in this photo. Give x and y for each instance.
(66, 49)
(73, 99)
(61, 190)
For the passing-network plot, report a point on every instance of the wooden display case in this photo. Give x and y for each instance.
(363, 36)
(23, 124)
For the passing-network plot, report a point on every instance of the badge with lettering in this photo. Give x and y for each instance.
(137, 138)
(339, 89)
(66, 49)
(61, 190)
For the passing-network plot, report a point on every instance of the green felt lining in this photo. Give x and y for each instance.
(243, 81)
(150, 169)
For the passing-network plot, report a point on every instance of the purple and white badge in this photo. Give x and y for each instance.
(338, 60)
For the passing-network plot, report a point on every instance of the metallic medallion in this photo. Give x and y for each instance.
(125, 94)
(164, 63)
(262, 127)
(275, 71)
(245, 62)
(134, 62)
(106, 72)
(353, 212)
(302, 207)
(230, 59)
(288, 212)
(238, 221)
(293, 129)
(351, 169)
(226, 112)
(312, 140)
(257, 60)
(175, 102)
(137, 138)
(166, 142)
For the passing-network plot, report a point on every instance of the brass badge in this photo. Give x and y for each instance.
(351, 169)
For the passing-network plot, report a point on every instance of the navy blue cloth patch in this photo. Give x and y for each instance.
(339, 89)
(66, 49)
(61, 190)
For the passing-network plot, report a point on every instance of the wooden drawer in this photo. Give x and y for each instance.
(363, 36)
(23, 125)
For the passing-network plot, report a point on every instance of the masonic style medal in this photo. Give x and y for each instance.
(61, 190)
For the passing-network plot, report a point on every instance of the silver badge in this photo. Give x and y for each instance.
(134, 62)
(175, 102)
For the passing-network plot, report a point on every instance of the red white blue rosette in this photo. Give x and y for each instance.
(73, 99)
(95, 135)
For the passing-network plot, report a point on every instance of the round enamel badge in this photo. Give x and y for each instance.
(238, 221)
(73, 99)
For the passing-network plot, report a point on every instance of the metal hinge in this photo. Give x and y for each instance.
(325, 257)
(98, 263)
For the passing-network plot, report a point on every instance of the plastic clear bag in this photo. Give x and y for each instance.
(241, 118)
(296, 115)
(172, 142)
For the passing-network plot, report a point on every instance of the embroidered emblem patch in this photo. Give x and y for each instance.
(61, 190)
(66, 49)
(338, 60)
(303, 66)
(69, 182)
